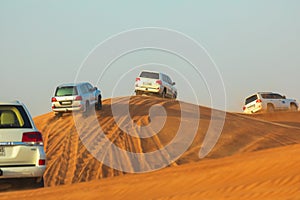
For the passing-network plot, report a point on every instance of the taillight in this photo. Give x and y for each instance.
(244, 108)
(35, 137)
(53, 99)
(159, 82)
(137, 79)
(258, 101)
(42, 162)
(78, 98)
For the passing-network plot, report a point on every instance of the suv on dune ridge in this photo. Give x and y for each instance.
(150, 82)
(22, 153)
(75, 97)
(268, 102)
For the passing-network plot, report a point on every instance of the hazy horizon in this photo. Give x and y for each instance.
(254, 45)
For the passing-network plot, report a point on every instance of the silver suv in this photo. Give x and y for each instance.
(75, 97)
(150, 82)
(21, 145)
(268, 102)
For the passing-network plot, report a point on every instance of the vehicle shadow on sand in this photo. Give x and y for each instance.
(8, 185)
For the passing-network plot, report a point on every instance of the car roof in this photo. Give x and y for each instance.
(15, 102)
(262, 93)
(266, 93)
(72, 84)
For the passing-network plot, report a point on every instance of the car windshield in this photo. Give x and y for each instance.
(66, 91)
(151, 75)
(13, 116)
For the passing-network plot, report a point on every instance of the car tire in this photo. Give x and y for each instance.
(175, 96)
(87, 107)
(293, 108)
(138, 93)
(40, 182)
(270, 108)
(99, 103)
(163, 95)
(58, 114)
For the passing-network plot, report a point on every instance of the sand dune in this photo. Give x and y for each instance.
(287, 118)
(267, 174)
(70, 162)
(234, 168)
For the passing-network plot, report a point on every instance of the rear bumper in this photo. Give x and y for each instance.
(71, 109)
(145, 89)
(22, 172)
(254, 109)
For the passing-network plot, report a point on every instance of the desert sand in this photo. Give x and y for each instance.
(256, 157)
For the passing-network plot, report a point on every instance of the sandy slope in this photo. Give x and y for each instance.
(233, 167)
(268, 174)
(287, 118)
(70, 162)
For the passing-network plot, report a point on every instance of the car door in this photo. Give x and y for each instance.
(85, 93)
(16, 129)
(166, 80)
(271, 99)
(92, 92)
(251, 103)
(171, 87)
(282, 102)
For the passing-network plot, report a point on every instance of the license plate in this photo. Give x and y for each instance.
(147, 83)
(66, 102)
(2, 151)
(252, 106)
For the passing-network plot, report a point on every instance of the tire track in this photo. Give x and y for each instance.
(69, 161)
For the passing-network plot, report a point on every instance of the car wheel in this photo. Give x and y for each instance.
(99, 103)
(174, 96)
(58, 114)
(163, 95)
(40, 182)
(87, 107)
(34, 183)
(293, 108)
(270, 108)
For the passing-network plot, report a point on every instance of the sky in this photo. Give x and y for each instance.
(251, 45)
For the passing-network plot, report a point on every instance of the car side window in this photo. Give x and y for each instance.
(89, 86)
(163, 78)
(84, 89)
(277, 96)
(268, 96)
(169, 80)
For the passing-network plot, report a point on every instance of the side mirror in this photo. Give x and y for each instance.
(93, 89)
(284, 97)
(173, 83)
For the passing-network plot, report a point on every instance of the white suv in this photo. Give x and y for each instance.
(150, 82)
(268, 102)
(21, 145)
(75, 97)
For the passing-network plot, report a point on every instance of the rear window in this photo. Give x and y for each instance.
(151, 75)
(13, 116)
(251, 99)
(66, 91)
